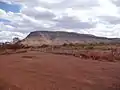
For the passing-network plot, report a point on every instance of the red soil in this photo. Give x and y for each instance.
(43, 71)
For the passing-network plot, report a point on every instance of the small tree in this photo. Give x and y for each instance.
(65, 44)
(16, 40)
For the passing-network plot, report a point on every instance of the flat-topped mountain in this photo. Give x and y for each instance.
(38, 38)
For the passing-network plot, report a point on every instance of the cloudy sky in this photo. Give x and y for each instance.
(97, 17)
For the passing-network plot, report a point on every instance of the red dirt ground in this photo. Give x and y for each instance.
(43, 71)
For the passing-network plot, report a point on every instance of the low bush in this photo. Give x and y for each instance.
(89, 47)
(43, 46)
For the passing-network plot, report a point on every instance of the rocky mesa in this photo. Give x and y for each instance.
(38, 38)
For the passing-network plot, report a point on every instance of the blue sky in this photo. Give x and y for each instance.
(4, 20)
(15, 8)
(10, 7)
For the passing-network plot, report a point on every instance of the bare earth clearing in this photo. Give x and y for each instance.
(35, 70)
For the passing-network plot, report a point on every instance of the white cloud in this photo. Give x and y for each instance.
(38, 13)
(8, 35)
(72, 23)
(2, 13)
(98, 17)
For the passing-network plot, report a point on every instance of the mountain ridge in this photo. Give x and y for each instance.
(37, 38)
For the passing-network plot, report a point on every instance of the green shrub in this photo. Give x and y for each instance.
(89, 47)
(44, 46)
(65, 44)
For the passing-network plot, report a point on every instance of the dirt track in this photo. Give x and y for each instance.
(41, 71)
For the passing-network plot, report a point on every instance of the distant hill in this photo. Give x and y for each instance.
(38, 38)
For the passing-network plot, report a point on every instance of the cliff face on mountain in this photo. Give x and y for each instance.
(38, 38)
